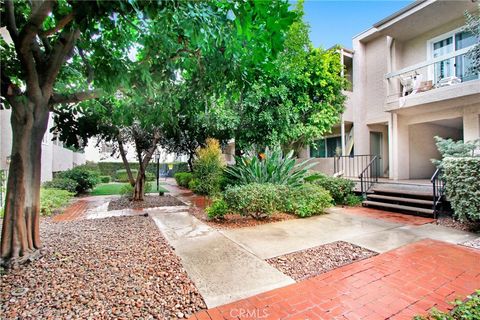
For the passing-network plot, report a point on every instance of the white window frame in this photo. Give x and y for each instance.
(430, 42)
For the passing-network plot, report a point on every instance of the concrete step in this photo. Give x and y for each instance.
(409, 193)
(397, 206)
(399, 199)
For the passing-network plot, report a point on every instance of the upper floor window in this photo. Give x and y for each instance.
(459, 66)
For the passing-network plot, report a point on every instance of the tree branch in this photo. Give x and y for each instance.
(11, 22)
(74, 97)
(87, 65)
(63, 47)
(61, 24)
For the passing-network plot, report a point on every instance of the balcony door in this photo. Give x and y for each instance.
(459, 66)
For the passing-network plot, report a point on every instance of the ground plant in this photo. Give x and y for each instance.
(208, 169)
(183, 178)
(218, 209)
(269, 167)
(105, 179)
(105, 189)
(122, 176)
(469, 309)
(340, 189)
(53, 199)
(85, 178)
(306, 200)
(455, 149)
(67, 184)
(258, 200)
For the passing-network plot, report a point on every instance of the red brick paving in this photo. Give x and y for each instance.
(75, 211)
(78, 209)
(389, 216)
(395, 285)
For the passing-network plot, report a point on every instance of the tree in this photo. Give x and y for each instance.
(298, 102)
(45, 37)
(63, 51)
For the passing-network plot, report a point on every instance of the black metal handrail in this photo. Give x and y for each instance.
(369, 176)
(351, 166)
(438, 189)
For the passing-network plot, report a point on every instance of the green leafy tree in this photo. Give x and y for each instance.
(63, 52)
(473, 26)
(298, 102)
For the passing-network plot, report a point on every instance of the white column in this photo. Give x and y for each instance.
(342, 128)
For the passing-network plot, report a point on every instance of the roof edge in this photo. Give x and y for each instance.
(399, 12)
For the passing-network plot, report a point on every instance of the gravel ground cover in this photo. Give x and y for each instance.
(234, 221)
(149, 202)
(307, 263)
(114, 268)
(448, 221)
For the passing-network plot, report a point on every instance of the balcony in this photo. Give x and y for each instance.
(444, 80)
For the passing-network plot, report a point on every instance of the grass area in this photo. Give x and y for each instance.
(114, 188)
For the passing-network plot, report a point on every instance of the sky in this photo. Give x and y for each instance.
(337, 21)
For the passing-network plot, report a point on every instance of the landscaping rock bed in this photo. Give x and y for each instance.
(448, 221)
(473, 243)
(110, 268)
(307, 263)
(234, 221)
(149, 202)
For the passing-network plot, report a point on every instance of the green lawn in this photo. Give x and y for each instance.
(114, 188)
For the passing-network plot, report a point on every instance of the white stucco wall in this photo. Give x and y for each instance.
(423, 148)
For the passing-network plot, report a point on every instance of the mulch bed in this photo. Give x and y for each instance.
(149, 202)
(448, 221)
(101, 269)
(235, 221)
(307, 263)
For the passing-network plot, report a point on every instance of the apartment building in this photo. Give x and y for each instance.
(55, 157)
(411, 81)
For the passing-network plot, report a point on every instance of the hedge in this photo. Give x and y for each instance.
(110, 168)
(462, 184)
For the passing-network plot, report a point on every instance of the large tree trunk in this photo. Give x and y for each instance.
(20, 232)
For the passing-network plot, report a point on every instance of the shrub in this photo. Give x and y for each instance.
(307, 200)
(105, 179)
(84, 177)
(122, 176)
(340, 189)
(254, 199)
(193, 185)
(126, 190)
(456, 149)
(208, 168)
(272, 168)
(463, 310)
(150, 176)
(69, 185)
(217, 210)
(53, 199)
(353, 200)
(462, 183)
(183, 178)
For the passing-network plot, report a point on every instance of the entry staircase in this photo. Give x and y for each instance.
(407, 197)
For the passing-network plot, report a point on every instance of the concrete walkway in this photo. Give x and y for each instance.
(222, 271)
(396, 285)
(274, 239)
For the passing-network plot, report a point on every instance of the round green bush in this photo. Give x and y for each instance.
(217, 210)
(258, 200)
(69, 185)
(85, 178)
(340, 189)
(306, 200)
(183, 178)
(150, 176)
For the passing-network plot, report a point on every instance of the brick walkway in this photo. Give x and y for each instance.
(395, 285)
(389, 216)
(78, 209)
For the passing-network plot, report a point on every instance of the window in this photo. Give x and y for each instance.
(459, 66)
(326, 147)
